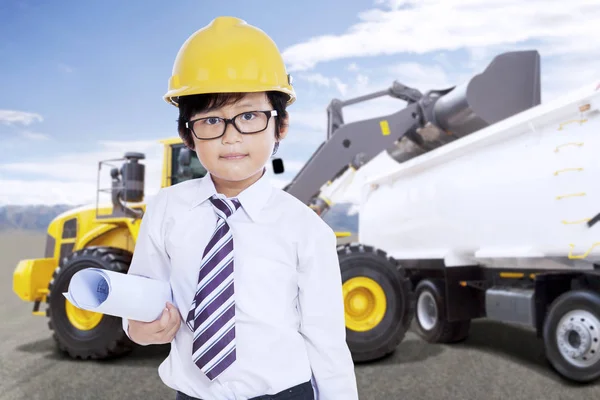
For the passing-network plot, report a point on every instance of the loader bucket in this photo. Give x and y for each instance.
(509, 85)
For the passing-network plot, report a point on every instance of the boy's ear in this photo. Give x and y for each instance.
(284, 127)
(189, 144)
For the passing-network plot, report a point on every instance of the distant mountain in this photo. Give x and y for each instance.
(38, 217)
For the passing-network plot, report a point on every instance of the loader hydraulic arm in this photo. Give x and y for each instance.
(335, 117)
(509, 85)
(349, 147)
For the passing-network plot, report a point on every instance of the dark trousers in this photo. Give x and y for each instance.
(303, 391)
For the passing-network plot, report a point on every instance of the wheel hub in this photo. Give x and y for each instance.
(578, 338)
(427, 311)
(82, 319)
(364, 303)
(359, 302)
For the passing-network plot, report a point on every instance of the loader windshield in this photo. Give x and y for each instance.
(180, 171)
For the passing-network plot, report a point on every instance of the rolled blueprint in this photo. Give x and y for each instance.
(127, 296)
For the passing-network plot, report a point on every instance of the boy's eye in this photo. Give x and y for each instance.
(212, 120)
(248, 116)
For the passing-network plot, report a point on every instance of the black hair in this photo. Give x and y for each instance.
(190, 105)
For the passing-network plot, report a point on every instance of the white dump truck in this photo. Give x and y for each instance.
(502, 224)
(477, 202)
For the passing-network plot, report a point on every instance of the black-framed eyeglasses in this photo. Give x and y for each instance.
(248, 122)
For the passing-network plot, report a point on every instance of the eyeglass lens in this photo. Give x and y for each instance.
(249, 122)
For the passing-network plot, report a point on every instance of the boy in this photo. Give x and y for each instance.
(258, 309)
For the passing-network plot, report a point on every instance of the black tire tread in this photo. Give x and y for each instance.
(359, 248)
(117, 260)
(447, 334)
(448, 331)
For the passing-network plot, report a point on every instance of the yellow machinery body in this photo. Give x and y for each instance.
(32, 276)
(80, 228)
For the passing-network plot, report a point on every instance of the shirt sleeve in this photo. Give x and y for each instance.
(150, 258)
(322, 317)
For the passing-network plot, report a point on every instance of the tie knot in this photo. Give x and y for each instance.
(224, 207)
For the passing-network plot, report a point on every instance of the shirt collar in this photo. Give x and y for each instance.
(253, 198)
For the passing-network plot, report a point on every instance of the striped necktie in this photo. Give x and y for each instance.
(212, 315)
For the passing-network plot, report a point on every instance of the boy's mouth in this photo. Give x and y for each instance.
(234, 156)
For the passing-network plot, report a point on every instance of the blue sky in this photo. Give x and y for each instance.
(83, 81)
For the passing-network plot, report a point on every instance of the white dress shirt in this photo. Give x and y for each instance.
(289, 308)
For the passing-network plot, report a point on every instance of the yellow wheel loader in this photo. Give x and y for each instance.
(98, 237)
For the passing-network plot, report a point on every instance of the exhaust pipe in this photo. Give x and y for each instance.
(128, 185)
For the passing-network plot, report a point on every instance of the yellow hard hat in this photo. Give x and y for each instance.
(228, 55)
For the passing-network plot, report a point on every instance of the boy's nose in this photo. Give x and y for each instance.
(231, 134)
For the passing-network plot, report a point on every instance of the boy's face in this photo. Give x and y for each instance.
(220, 156)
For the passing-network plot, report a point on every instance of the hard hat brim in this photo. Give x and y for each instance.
(172, 96)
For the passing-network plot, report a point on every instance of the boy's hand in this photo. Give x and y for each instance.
(161, 331)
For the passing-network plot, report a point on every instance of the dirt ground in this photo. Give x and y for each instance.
(496, 362)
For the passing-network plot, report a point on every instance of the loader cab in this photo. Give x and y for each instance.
(179, 163)
(185, 165)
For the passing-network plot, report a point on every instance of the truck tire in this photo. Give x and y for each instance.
(377, 300)
(430, 314)
(572, 335)
(79, 333)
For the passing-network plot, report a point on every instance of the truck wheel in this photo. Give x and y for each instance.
(572, 335)
(80, 333)
(430, 314)
(377, 301)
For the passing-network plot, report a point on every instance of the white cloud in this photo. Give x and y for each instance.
(421, 76)
(48, 192)
(313, 118)
(560, 78)
(10, 117)
(341, 86)
(419, 27)
(321, 80)
(83, 166)
(317, 79)
(34, 135)
(70, 178)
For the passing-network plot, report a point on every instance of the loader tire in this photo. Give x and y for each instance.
(78, 333)
(430, 314)
(377, 300)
